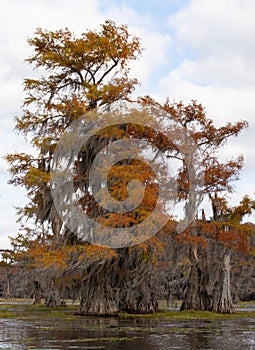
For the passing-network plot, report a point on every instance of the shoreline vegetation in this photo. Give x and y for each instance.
(24, 308)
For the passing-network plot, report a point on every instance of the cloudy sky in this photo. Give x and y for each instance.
(194, 49)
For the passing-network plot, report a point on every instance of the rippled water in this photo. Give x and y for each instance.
(49, 332)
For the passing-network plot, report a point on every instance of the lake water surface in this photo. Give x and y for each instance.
(70, 332)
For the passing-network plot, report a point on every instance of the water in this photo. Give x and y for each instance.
(70, 332)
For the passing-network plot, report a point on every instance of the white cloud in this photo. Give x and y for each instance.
(209, 27)
(20, 22)
(10, 198)
(222, 103)
(219, 36)
(226, 71)
(214, 41)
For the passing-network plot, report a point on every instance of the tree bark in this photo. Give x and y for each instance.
(53, 299)
(208, 286)
(197, 293)
(141, 300)
(222, 300)
(52, 294)
(98, 296)
(122, 284)
(37, 293)
(8, 283)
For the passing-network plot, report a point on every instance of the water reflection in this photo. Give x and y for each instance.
(112, 334)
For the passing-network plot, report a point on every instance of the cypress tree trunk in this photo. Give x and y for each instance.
(37, 293)
(222, 300)
(191, 298)
(53, 299)
(99, 297)
(208, 284)
(141, 300)
(52, 294)
(122, 284)
(197, 295)
(98, 301)
(137, 284)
